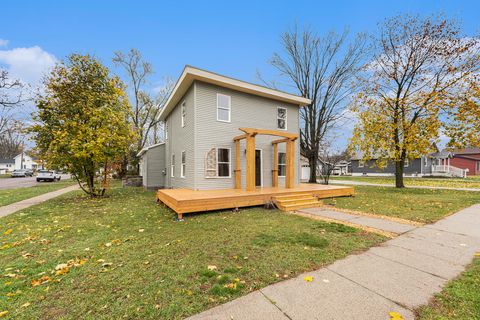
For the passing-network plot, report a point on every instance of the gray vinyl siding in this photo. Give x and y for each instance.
(181, 139)
(153, 167)
(414, 168)
(246, 111)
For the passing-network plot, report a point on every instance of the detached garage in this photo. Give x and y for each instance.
(152, 166)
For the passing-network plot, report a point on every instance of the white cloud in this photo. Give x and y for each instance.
(3, 43)
(27, 64)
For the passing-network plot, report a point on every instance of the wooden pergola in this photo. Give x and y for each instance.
(249, 136)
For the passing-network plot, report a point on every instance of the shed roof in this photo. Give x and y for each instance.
(148, 148)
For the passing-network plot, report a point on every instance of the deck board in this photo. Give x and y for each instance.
(188, 201)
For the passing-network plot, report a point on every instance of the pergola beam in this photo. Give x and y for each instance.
(269, 132)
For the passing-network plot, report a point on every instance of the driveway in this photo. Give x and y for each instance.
(14, 183)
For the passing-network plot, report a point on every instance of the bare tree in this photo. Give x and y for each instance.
(146, 109)
(12, 140)
(321, 69)
(11, 95)
(329, 162)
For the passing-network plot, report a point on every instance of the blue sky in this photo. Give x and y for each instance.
(232, 38)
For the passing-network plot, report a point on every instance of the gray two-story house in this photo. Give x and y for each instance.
(203, 115)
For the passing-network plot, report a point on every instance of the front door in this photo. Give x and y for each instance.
(258, 168)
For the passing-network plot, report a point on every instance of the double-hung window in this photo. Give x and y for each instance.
(183, 167)
(282, 118)
(282, 164)
(361, 163)
(223, 107)
(172, 166)
(406, 163)
(184, 113)
(223, 162)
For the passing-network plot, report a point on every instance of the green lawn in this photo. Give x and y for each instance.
(9, 196)
(421, 205)
(460, 299)
(126, 257)
(470, 182)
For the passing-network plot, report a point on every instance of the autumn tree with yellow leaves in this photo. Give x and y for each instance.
(82, 121)
(418, 69)
(464, 125)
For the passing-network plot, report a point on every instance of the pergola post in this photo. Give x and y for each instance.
(238, 170)
(250, 163)
(289, 179)
(275, 166)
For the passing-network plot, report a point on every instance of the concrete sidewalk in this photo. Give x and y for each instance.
(17, 206)
(355, 220)
(363, 183)
(400, 275)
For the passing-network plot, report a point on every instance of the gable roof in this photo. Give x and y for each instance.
(7, 160)
(191, 74)
(466, 151)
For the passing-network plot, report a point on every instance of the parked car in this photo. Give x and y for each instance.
(48, 175)
(19, 173)
(29, 172)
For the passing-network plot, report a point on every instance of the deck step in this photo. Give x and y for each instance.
(293, 207)
(297, 201)
(292, 196)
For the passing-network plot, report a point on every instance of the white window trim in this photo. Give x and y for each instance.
(285, 164)
(166, 130)
(286, 117)
(182, 170)
(406, 163)
(229, 108)
(229, 163)
(172, 165)
(183, 112)
(361, 163)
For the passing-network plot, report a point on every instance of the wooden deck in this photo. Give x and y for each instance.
(186, 201)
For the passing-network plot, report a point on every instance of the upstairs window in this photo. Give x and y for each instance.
(184, 113)
(282, 118)
(223, 107)
(184, 166)
(172, 166)
(282, 164)
(406, 163)
(223, 162)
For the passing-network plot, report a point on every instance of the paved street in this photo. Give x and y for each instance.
(13, 183)
(397, 276)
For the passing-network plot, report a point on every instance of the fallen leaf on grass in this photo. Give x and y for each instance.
(26, 305)
(42, 280)
(211, 268)
(3, 313)
(308, 278)
(8, 232)
(62, 271)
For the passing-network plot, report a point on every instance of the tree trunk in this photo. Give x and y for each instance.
(399, 174)
(312, 161)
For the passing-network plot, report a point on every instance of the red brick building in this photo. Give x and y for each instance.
(467, 159)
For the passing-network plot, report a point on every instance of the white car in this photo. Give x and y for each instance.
(48, 175)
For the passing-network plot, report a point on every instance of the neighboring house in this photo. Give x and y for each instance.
(25, 161)
(204, 114)
(342, 168)
(152, 166)
(415, 167)
(465, 159)
(440, 163)
(6, 165)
